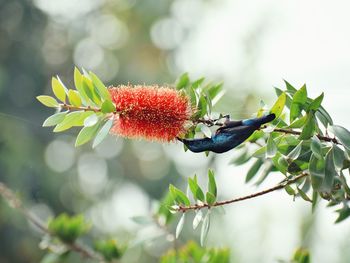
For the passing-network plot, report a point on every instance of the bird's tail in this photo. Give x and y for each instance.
(259, 121)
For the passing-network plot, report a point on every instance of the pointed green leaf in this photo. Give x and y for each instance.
(90, 91)
(91, 120)
(330, 172)
(58, 89)
(289, 190)
(78, 82)
(183, 81)
(108, 107)
(303, 195)
(180, 226)
(298, 103)
(344, 213)
(205, 228)
(70, 120)
(211, 183)
(48, 101)
(197, 218)
(54, 119)
(178, 195)
(195, 189)
(316, 103)
(342, 134)
(338, 156)
(253, 170)
(271, 147)
(317, 171)
(210, 198)
(309, 128)
(316, 147)
(294, 154)
(86, 134)
(298, 123)
(289, 86)
(277, 108)
(101, 88)
(103, 132)
(74, 98)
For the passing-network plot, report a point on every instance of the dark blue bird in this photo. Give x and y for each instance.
(228, 136)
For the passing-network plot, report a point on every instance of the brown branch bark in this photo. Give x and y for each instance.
(16, 203)
(238, 199)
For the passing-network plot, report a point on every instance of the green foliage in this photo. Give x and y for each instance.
(301, 255)
(90, 107)
(109, 249)
(193, 253)
(68, 228)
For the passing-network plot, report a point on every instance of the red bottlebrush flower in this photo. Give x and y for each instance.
(150, 112)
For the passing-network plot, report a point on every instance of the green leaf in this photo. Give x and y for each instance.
(202, 106)
(253, 170)
(344, 213)
(86, 134)
(289, 190)
(316, 103)
(294, 154)
(180, 226)
(211, 183)
(54, 119)
(183, 81)
(70, 120)
(210, 198)
(58, 89)
(102, 133)
(108, 107)
(48, 101)
(205, 228)
(298, 123)
(330, 172)
(91, 120)
(339, 157)
(178, 195)
(303, 195)
(74, 98)
(195, 189)
(78, 82)
(197, 218)
(289, 86)
(197, 83)
(271, 147)
(299, 100)
(317, 171)
(314, 200)
(90, 91)
(302, 255)
(342, 134)
(205, 130)
(316, 147)
(309, 128)
(101, 88)
(277, 108)
(261, 152)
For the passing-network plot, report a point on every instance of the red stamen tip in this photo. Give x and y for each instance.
(150, 112)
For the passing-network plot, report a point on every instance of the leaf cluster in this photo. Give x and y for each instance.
(89, 106)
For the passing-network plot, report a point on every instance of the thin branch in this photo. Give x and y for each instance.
(16, 203)
(226, 202)
(322, 138)
(75, 108)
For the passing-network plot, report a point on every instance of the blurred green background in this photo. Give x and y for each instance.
(249, 45)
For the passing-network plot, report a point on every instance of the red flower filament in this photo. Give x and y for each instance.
(150, 112)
